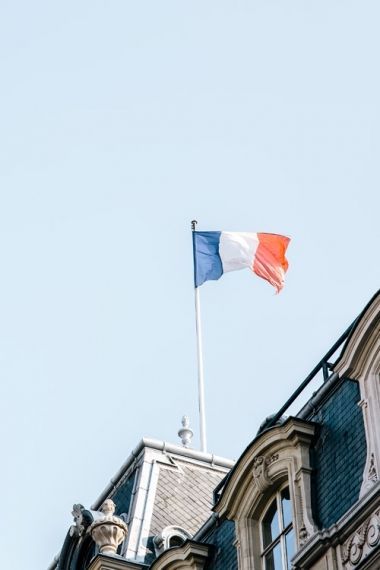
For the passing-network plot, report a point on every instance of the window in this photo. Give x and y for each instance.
(175, 541)
(169, 537)
(270, 527)
(277, 534)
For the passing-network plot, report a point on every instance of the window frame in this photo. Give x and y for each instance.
(277, 456)
(284, 530)
(162, 540)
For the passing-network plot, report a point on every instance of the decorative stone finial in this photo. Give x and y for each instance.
(82, 520)
(185, 433)
(77, 513)
(108, 508)
(109, 531)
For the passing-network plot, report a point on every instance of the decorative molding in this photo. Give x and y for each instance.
(101, 562)
(162, 540)
(190, 556)
(277, 456)
(372, 473)
(261, 465)
(303, 535)
(362, 542)
(329, 541)
(272, 457)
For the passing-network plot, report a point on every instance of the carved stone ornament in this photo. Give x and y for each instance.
(261, 464)
(362, 541)
(77, 528)
(303, 535)
(82, 520)
(372, 473)
(109, 531)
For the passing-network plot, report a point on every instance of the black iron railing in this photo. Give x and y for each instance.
(323, 365)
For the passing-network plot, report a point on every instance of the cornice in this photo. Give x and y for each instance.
(102, 562)
(208, 459)
(191, 554)
(339, 532)
(255, 464)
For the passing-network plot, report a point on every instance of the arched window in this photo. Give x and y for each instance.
(277, 534)
(175, 541)
(268, 495)
(169, 537)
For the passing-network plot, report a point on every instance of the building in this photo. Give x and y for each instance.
(305, 494)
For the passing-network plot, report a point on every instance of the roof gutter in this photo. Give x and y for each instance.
(165, 447)
(314, 401)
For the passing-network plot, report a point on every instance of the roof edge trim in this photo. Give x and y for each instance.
(148, 443)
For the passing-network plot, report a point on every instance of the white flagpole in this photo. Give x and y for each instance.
(201, 392)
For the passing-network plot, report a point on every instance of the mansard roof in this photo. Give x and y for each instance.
(159, 485)
(323, 448)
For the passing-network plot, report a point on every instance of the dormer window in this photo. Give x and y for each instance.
(175, 541)
(170, 537)
(268, 496)
(277, 534)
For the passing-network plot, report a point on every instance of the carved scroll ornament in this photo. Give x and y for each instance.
(261, 465)
(362, 541)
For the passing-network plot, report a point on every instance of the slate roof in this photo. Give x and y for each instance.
(339, 453)
(122, 495)
(184, 497)
(222, 536)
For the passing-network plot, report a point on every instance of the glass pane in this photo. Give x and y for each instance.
(271, 528)
(273, 560)
(290, 546)
(286, 507)
(175, 541)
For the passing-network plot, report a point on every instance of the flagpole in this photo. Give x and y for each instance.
(201, 394)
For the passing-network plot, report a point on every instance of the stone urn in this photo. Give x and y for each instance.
(108, 531)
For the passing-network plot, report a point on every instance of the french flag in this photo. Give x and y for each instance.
(216, 253)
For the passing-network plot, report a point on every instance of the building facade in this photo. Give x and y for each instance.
(305, 494)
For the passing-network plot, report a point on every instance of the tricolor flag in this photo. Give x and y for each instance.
(216, 253)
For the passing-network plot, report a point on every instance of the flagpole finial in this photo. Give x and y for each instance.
(193, 224)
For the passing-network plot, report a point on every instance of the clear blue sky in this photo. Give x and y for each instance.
(120, 122)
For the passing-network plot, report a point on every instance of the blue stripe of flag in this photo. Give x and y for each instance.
(207, 262)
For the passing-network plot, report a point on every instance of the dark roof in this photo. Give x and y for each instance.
(184, 497)
(222, 537)
(338, 453)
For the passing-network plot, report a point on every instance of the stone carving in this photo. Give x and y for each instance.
(82, 520)
(260, 470)
(372, 473)
(303, 535)
(271, 459)
(305, 530)
(162, 541)
(362, 541)
(109, 531)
